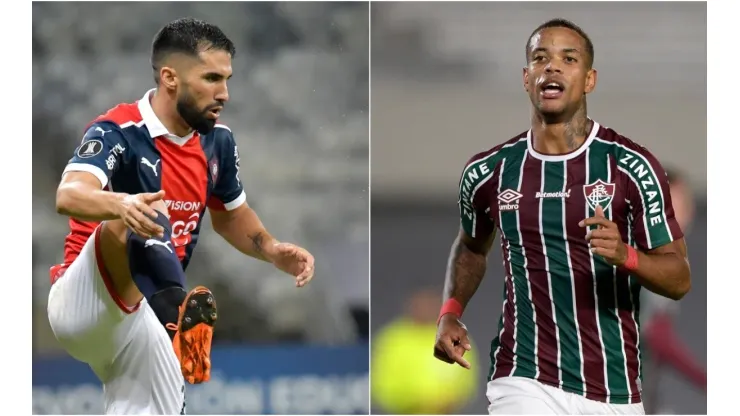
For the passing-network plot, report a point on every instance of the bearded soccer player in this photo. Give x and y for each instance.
(586, 221)
(136, 191)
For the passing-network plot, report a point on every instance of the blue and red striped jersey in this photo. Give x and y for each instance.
(129, 150)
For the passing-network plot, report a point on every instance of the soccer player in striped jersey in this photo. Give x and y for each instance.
(586, 221)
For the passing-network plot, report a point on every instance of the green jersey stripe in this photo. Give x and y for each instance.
(543, 240)
(523, 348)
(563, 290)
(606, 294)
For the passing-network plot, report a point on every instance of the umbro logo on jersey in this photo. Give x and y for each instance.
(90, 148)
(508, 200)
(145, 161)
(599, 193)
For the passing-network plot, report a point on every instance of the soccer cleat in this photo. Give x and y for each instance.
(192, 341)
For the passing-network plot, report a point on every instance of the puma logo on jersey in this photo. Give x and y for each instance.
(146, 161)
(152, 242)
(102, 132)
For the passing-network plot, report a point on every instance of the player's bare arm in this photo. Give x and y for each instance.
(466, 266)
(242, 228)
(465, 270)
(80, 196)
(663, 270)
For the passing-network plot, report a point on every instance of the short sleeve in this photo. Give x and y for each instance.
(654, 223)
(474, 210)
(228, 192)
(100, 152)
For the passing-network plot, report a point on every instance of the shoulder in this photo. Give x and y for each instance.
(115, 124)
(122, 116)
(479, 169)
(621, 144)
(497, 153)
(631, 158)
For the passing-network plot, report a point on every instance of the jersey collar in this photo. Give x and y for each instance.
(568, 156)
(154, 125)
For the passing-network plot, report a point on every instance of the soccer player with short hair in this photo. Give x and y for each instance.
(136, 191)
(586, 221)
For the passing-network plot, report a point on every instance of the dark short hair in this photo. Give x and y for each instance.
(568, 25)
(188, 36)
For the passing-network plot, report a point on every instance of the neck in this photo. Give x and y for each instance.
(165, 109)
(560, 137)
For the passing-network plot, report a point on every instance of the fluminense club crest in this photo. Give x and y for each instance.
(599, 193)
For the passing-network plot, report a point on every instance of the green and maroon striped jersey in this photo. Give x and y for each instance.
(569, 319)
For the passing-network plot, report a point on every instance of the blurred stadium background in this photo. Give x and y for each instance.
(299, 110)
(446, 84)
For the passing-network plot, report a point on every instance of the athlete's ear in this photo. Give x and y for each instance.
(525, 78)
(168, 77)
(590, 81)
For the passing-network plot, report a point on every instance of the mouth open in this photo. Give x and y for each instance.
(552, 90)
(215, 112)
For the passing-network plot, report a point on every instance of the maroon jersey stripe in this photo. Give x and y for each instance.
(630, 331)
(505, 354)
(546, 340)
(583, 280)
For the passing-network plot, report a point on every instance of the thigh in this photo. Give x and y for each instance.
(522, 396)
(598, 408)
(146, 376)
(81, 313)
(520, 405)
(583, 406)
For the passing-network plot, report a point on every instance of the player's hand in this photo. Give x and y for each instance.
(605, 240)
(294, 260)
(136, 213)
(452, 341)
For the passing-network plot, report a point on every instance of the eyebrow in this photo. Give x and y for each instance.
(217, 74)
(566, 50)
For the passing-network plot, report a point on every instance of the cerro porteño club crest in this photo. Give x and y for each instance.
(599, 193)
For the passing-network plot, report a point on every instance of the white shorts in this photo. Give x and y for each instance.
(127, 348)
(524, 396)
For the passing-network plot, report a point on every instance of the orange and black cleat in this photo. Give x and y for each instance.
(192, 341)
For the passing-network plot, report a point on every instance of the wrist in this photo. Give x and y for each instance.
(631, 262)
(451, 306)
(269, 250)
(120, 203)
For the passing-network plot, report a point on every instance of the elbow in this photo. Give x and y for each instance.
(218, 224)
(683, 289)
(63, 201)
(684, 285)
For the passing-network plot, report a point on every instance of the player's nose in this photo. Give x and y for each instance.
(222, 95)
(553, 66)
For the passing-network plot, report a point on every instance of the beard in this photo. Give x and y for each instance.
(195, 117)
